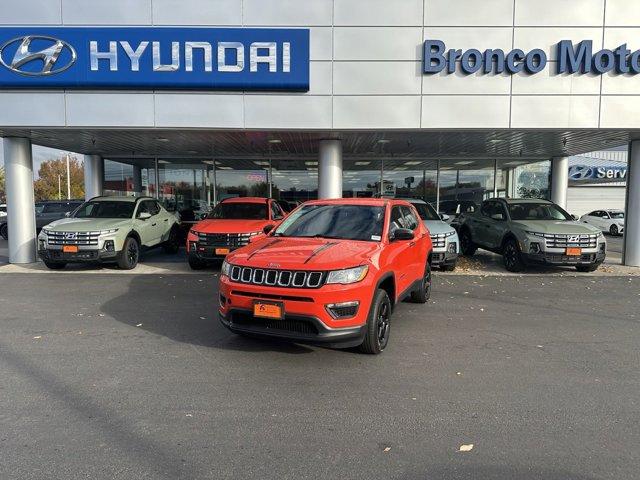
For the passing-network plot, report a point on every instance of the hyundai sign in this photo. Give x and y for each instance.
(155, 58)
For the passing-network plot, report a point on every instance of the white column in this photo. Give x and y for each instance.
(93, 176)
(330, 169)
(559, 180)
(631, 249)
(21, 220)
(137, 179)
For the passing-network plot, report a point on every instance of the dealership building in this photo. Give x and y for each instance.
(194, 101)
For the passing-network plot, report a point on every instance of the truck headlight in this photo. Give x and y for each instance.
(107, 232)
(225, 269)
(349, 275)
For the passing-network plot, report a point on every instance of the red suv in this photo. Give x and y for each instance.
(331, 273)
(230, 226)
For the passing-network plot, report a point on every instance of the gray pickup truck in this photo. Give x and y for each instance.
(531, 231)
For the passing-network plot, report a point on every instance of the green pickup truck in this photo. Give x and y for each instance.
(531, 231)
(109, 229)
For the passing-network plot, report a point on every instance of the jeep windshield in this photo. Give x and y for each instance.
(345, 222)
(239, 211)
(105, 209)
(426, 211)
(537, 211)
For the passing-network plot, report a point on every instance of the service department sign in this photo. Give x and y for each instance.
(155, 58)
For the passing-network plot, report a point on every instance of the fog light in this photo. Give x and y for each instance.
(109, 246)
(342, 310)
(453, 247)
(534, 247)
(223, 300)
(41, 245)
(194, 247)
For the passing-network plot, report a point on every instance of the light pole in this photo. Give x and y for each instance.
(68, 180)
(59, 187)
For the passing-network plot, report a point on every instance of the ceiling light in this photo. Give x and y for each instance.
(363, 163)
(384, 141)
(163, 161)
(222, 167)
(192, 152)
(401, 168)
(311, 163)
(464, 162)
(261, 162)
(274, 141)
(162, 139)
(209, 162)
(413, 163)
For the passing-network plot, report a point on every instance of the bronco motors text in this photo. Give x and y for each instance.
(331, 273)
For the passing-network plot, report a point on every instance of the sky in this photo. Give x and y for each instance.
(40, 154)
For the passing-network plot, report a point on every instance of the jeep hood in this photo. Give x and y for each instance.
(306, 253)
(88, 224)
(437, 226)
(231, 226)
(555, 226)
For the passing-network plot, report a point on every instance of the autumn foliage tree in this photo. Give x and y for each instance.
(46, 187)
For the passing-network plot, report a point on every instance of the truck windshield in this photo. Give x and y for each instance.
(239, 211)
(348, 222)
(105, 210)
(426, 211)
(537, 211)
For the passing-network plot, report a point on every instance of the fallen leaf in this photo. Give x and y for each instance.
(466, 447)
(37, 337)
(458, 373)
(202, 318)
(139, 325)
(189, 415)
(386, 449)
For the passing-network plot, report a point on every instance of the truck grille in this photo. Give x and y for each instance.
(73, 238)
(564, 241)
(230, 240)
(437, 241)
(277, 278)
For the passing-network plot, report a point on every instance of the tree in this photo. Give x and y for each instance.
(3, 193)
(54, 170)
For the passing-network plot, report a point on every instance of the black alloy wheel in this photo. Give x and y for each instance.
(511, 257)
(383, 324)
(467, 246)
(172, 244)
(130, 254)
(423, 293)
(378, 324)
(613, 230)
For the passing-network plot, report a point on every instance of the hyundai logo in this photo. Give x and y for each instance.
(26, 54)
(574, 238)
(70, 236)
(580, 172)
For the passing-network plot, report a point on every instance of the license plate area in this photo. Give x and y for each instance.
(222, 251)
(70, 249)
(573, 251)
(267, 309)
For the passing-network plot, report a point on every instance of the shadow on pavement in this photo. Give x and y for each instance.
(184, 310)
(474, 471)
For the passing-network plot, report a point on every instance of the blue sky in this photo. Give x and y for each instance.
(40, 154)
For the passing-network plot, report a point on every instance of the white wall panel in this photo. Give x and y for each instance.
(321, 43)
(459, 83)
(623, 13)
(467, 37)
(287, 111)
(547, 38)
(559, 12)
(376, 112)
(320, 78)
(614, 37)
(113, 12)
(133, 109)
(465, 111)
(32, 109)
(549, 82)
(468, 13)
(287, 12)
(616, 84)
(378, 12)
(620, 111)
(554, 111)
(198, 110)
(377, 78)
(30, 12)
(377, 43)
(197, 12)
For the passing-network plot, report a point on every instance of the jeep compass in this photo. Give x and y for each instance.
(331, 273)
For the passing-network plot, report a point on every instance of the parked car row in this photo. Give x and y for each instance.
(45, 213)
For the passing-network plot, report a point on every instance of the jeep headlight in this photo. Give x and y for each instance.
(349, 275)
(107, 232)
(225, 269)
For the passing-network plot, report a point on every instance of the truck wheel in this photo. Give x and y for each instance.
(613, 230)
(55, 265)
(467, 246)
(172, 244)
(130, 254)
(423, 293)
(378, 324)
(196, 263)
(587, 268)
(511, 256)
(4, 231)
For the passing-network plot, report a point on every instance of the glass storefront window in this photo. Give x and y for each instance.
(295, 185)
(242, 183)
(118, 178)
(532, 180)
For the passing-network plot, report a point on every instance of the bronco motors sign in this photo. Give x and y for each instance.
(158, 58)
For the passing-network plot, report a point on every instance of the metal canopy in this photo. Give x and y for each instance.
(194, 146)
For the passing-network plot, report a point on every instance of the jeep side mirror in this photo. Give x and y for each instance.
(444, 217)
(268, 228)
(144, 216)
(402, 234)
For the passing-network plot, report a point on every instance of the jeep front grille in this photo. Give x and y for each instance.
(229, 240)
(277, 278)
(73, 238)
(564, 241)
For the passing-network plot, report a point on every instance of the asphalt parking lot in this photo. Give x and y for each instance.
(131, 376)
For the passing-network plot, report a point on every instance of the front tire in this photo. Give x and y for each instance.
(128, 259)
(172, 245)
(613, 230)
(378, 324)
(587, 268)
(511, 256)
(55, 265)
(423, 293)
(196, 263)
(467, 246)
